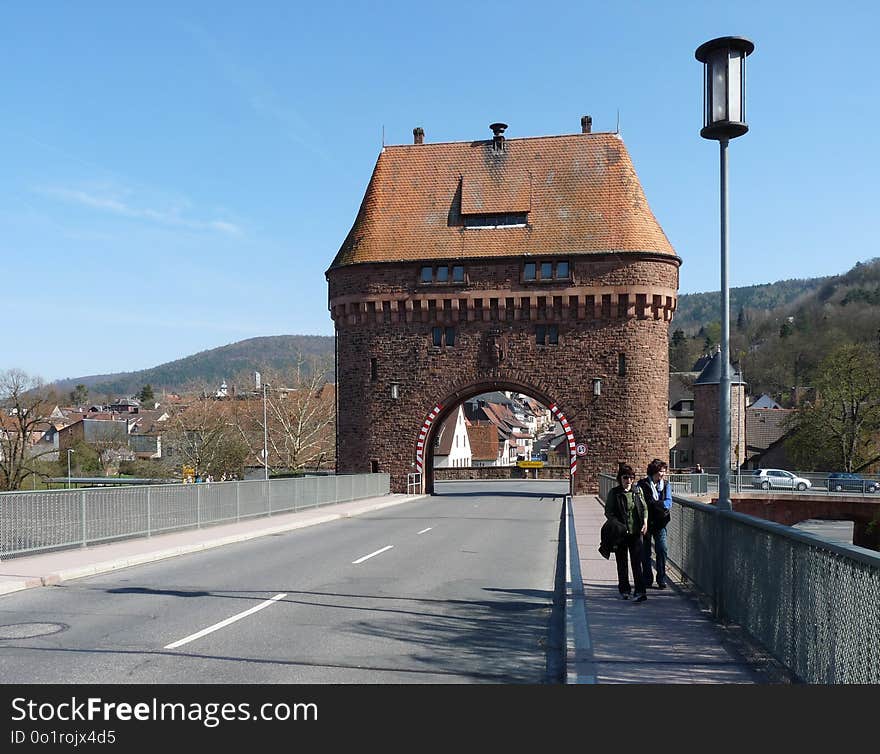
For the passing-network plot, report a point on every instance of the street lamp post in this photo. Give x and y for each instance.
(265, 435)
(724, 106)
(69, 451)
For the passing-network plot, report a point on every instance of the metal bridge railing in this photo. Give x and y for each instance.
(812, 603)
(32, 522)
(414, 483)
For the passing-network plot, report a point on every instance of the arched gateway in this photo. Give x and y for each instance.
(533, 265)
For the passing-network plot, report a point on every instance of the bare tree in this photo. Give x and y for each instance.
(24, 408)
(204, 436)
(300, 417)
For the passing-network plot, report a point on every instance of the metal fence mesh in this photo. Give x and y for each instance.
(32, 522)
(812, 603)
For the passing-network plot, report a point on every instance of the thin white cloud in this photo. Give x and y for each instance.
(106, 203)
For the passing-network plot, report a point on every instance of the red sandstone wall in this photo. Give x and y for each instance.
(629, 312)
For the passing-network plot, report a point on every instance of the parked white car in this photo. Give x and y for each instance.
(768, 479)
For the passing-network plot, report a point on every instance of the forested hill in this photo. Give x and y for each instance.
(236, 360)
(696, 309)
(779, 347)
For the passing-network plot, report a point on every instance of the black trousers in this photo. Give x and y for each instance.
(631, 547)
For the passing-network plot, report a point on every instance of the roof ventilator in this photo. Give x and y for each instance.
(498, 130)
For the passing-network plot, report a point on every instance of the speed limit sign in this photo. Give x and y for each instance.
(580, 449)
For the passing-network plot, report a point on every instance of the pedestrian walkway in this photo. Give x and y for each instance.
(666, 639)
(54, 567)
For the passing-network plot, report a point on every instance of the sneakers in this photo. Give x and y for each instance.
(657, 586)
(624, 595)
(641, 597)
(661, 586)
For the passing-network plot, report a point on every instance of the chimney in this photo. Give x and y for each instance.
(498, 130)
(587, 124)
(418, 135)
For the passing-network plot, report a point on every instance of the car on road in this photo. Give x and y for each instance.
(844, 481)
(768, 479)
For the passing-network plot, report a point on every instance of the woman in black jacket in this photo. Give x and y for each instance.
(625, 503)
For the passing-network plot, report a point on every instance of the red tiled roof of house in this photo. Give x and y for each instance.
(484, 441)
(580, 191)
(764, 426)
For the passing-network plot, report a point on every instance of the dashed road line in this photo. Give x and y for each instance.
(371, 555)
(224, 623)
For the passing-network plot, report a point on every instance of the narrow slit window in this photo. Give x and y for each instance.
(374, 370)
(553, 335)
(540, 335)
(621, 365)
(437, 336)
(450, 336)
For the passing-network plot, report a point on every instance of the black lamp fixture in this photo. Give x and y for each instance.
(724, 86)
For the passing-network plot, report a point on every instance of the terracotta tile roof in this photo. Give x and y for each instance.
(764, 426)
(484, 441)
(581, 193)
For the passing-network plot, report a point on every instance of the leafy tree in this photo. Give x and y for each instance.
(146, 394)
(79, 395)
(838, 428)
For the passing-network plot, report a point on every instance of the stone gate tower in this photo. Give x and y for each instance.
(532, 265)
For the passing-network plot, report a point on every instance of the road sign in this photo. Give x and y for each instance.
(581, 449)
(530, 464)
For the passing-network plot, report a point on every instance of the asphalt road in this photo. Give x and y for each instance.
(456, 588)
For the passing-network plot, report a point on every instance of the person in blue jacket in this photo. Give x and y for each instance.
(657, 493)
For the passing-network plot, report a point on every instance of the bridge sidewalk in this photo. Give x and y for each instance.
(666, 639)
(54, 567)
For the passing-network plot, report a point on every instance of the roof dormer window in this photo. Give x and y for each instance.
(497, 220)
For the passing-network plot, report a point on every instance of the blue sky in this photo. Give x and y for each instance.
(177, 176)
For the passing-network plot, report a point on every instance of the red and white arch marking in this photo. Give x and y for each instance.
(560, 417)
(420, 445)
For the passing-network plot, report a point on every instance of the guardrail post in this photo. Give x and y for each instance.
(149, 528)
(198, 506)
(238, 501)
(82, 507)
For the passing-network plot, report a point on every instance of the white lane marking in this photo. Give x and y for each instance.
(424, 530)
(224, 623)
(371, 555)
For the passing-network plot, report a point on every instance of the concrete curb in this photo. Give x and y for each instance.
(579, 664)
(11, 585)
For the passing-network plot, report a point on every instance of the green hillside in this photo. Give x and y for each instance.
(780, 345)
(234, 361)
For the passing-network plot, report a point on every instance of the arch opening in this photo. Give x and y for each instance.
(495, 430)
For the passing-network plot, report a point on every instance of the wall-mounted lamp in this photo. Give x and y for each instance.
(395, 391)
(597, 386)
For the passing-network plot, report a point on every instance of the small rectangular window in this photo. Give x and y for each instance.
(562, 270)
(529, 271)
(450, 336)
(540, 335)
(374, 369)
(458, 274)
(427, 274)
(553, 335)
(546, 270)
(374, 467)
(442, 275)
(437, 336)
(685, 430)
(621, 365)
